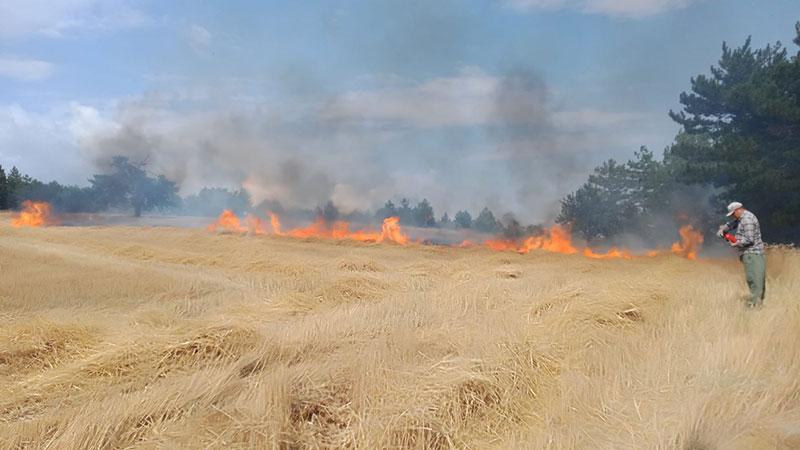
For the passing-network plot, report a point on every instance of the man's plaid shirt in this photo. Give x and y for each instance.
(748, 234)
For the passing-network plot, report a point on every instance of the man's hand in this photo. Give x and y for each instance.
(721, 231)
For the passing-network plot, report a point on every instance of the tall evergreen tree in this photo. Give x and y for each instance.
(635, 197)
(744, 124)
(511, 228)
(486, 222)
(445, 221)
(3, 189)
(388, 210)
(14, 182)
(463, 219)
(405, 212)
(423, 214)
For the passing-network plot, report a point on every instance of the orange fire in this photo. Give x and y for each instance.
(689, 245)
(612, 253)
(557, 239)
(33, 214)
(255, 225)
(466, 243)
(390, 231)
(275, 222)
(319, 228)
(229, 222)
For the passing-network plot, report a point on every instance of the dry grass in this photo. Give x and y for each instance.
(131, 337)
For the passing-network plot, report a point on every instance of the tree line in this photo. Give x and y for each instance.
(739, 141)
(422, 215)
(127, 186)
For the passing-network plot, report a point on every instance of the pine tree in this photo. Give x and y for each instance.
(14, 182)
(388, 210)
(445, 221)
(3, 189)
(423, 214)
(486, 222)
(405, 212)
(463, 220)
(744, 129)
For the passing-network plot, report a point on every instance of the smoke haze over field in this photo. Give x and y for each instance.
(508, 104)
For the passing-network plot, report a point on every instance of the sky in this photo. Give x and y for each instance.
(505, 103)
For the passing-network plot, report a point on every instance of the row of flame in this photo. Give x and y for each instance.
(557, 239)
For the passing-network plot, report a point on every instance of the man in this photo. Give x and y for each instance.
(746, 238)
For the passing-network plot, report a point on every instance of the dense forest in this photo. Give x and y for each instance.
(740, 140)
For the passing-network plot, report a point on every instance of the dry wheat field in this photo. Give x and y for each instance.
(157, 337)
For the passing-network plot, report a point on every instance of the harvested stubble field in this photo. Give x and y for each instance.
(134, 337)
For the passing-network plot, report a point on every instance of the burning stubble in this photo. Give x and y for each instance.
(34, 214)
(556, 239)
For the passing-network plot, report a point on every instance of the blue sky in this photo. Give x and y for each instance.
(508, 103)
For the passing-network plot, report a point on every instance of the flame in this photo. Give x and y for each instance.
(33, 214)
(275, 222)
(390, 231)
(501, 245)
(255, 225)
(319, 228)
(229, 222)
(557, 239)
(612, 253)
(689, 245)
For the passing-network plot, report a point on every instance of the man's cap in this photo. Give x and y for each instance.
(733, 207)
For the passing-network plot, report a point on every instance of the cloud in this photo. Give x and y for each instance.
(25, 69)
(199, 38)
(39, 144)
(56, 18)
(616, 8)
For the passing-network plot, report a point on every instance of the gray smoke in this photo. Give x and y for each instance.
(295, 162)
(462, 140)
(544, 162)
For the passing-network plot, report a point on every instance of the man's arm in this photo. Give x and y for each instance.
(725, 228)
